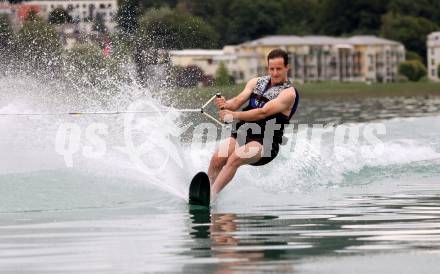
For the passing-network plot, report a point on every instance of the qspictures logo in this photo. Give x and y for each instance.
(151, 139)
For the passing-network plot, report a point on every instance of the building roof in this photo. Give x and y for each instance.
(434, 35)
(322, 40)
(434, 39)
(65, 1)
(371, 40)
(277, 40)
(196, 52)
(287, 40)
(273, 40)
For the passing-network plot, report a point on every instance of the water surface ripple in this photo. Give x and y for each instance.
(192, 240)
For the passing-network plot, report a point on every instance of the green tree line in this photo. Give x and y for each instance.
(148, 27)
(236, 21)
(178, 24)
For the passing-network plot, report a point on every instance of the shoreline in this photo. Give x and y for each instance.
(339, 89)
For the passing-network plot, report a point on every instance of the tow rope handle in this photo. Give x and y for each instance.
(202, 109)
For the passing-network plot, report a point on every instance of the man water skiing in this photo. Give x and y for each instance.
(272, 100)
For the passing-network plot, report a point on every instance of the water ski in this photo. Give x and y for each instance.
(200, 190)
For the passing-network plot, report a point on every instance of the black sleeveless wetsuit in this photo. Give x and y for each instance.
(243, 133)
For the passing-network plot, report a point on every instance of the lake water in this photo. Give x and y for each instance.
(72, 203)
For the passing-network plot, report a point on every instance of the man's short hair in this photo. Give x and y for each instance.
(278, 53)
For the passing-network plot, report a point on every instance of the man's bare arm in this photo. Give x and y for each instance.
(281, 104)
(236, 102)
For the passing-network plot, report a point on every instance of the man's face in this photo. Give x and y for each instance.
(277, 70)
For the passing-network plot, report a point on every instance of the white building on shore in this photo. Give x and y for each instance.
(83, 12)
(312, 58)
(433, 51)
(241, 66)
